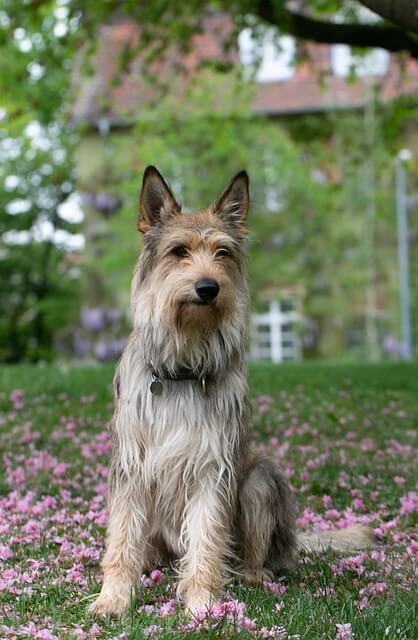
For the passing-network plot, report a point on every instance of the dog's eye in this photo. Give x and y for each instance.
(180, 251)
(222, 253)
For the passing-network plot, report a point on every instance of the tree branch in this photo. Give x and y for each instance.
(404, 13)
(304, 27)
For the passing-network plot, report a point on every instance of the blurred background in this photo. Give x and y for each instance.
(318, 101)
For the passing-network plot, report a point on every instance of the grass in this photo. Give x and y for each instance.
(345, 437)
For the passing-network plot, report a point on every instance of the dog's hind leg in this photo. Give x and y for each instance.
(265, 522)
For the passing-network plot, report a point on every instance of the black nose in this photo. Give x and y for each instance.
(207, 289)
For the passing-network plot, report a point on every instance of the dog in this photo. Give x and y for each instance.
(183, 482)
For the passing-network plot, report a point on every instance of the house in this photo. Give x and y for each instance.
(319, 83)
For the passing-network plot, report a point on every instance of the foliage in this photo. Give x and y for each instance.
(344, 435)
(38, 284)
(35, 59)
(168, 21)
(38, 287)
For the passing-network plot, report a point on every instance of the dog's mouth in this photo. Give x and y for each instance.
(198, 303)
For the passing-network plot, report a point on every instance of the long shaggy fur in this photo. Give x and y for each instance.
(183, 483)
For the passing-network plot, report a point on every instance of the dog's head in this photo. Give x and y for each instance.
(190, 276)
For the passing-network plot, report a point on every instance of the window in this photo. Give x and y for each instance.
(268, 56)
(344, 62)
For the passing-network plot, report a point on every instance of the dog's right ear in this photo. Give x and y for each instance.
(157, 202)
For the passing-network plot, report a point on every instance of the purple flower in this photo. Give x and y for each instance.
(103, 351)
(113, 316)
(392, 346)
(107, 204)
(81, 346)
(157, 576)
(167, 609)
(409, 503)
(92, 319)
(344, 631)
(5, 552)
(104, 203)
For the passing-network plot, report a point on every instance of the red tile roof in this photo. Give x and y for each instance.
(117, 95)
(315, 87)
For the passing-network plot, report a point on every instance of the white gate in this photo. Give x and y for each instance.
(273, 334)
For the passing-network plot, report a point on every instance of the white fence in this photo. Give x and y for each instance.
(273, 334)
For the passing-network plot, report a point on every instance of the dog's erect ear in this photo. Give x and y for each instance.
(232, 206)
(157, 202)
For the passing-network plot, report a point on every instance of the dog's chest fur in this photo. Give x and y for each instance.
(184, 437)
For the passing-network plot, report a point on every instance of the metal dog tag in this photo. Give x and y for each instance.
(203, 383)
(156, 387)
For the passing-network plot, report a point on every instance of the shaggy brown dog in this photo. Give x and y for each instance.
(183, 481)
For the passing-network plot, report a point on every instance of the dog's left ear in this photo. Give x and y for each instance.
(157, 202)
(232, 207)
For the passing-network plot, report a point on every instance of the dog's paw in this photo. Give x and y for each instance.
(197, 599)
(255, 576)
(112, 601)
(197, 604)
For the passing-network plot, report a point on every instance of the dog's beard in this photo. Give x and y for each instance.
(197, 317)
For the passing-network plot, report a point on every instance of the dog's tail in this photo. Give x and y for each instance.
(352, 538)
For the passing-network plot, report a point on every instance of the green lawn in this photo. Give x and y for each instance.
(346, 437)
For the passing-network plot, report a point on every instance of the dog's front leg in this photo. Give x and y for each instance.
(206, 536)
(124, 558)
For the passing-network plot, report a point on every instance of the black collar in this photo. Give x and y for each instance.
(180, 374)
